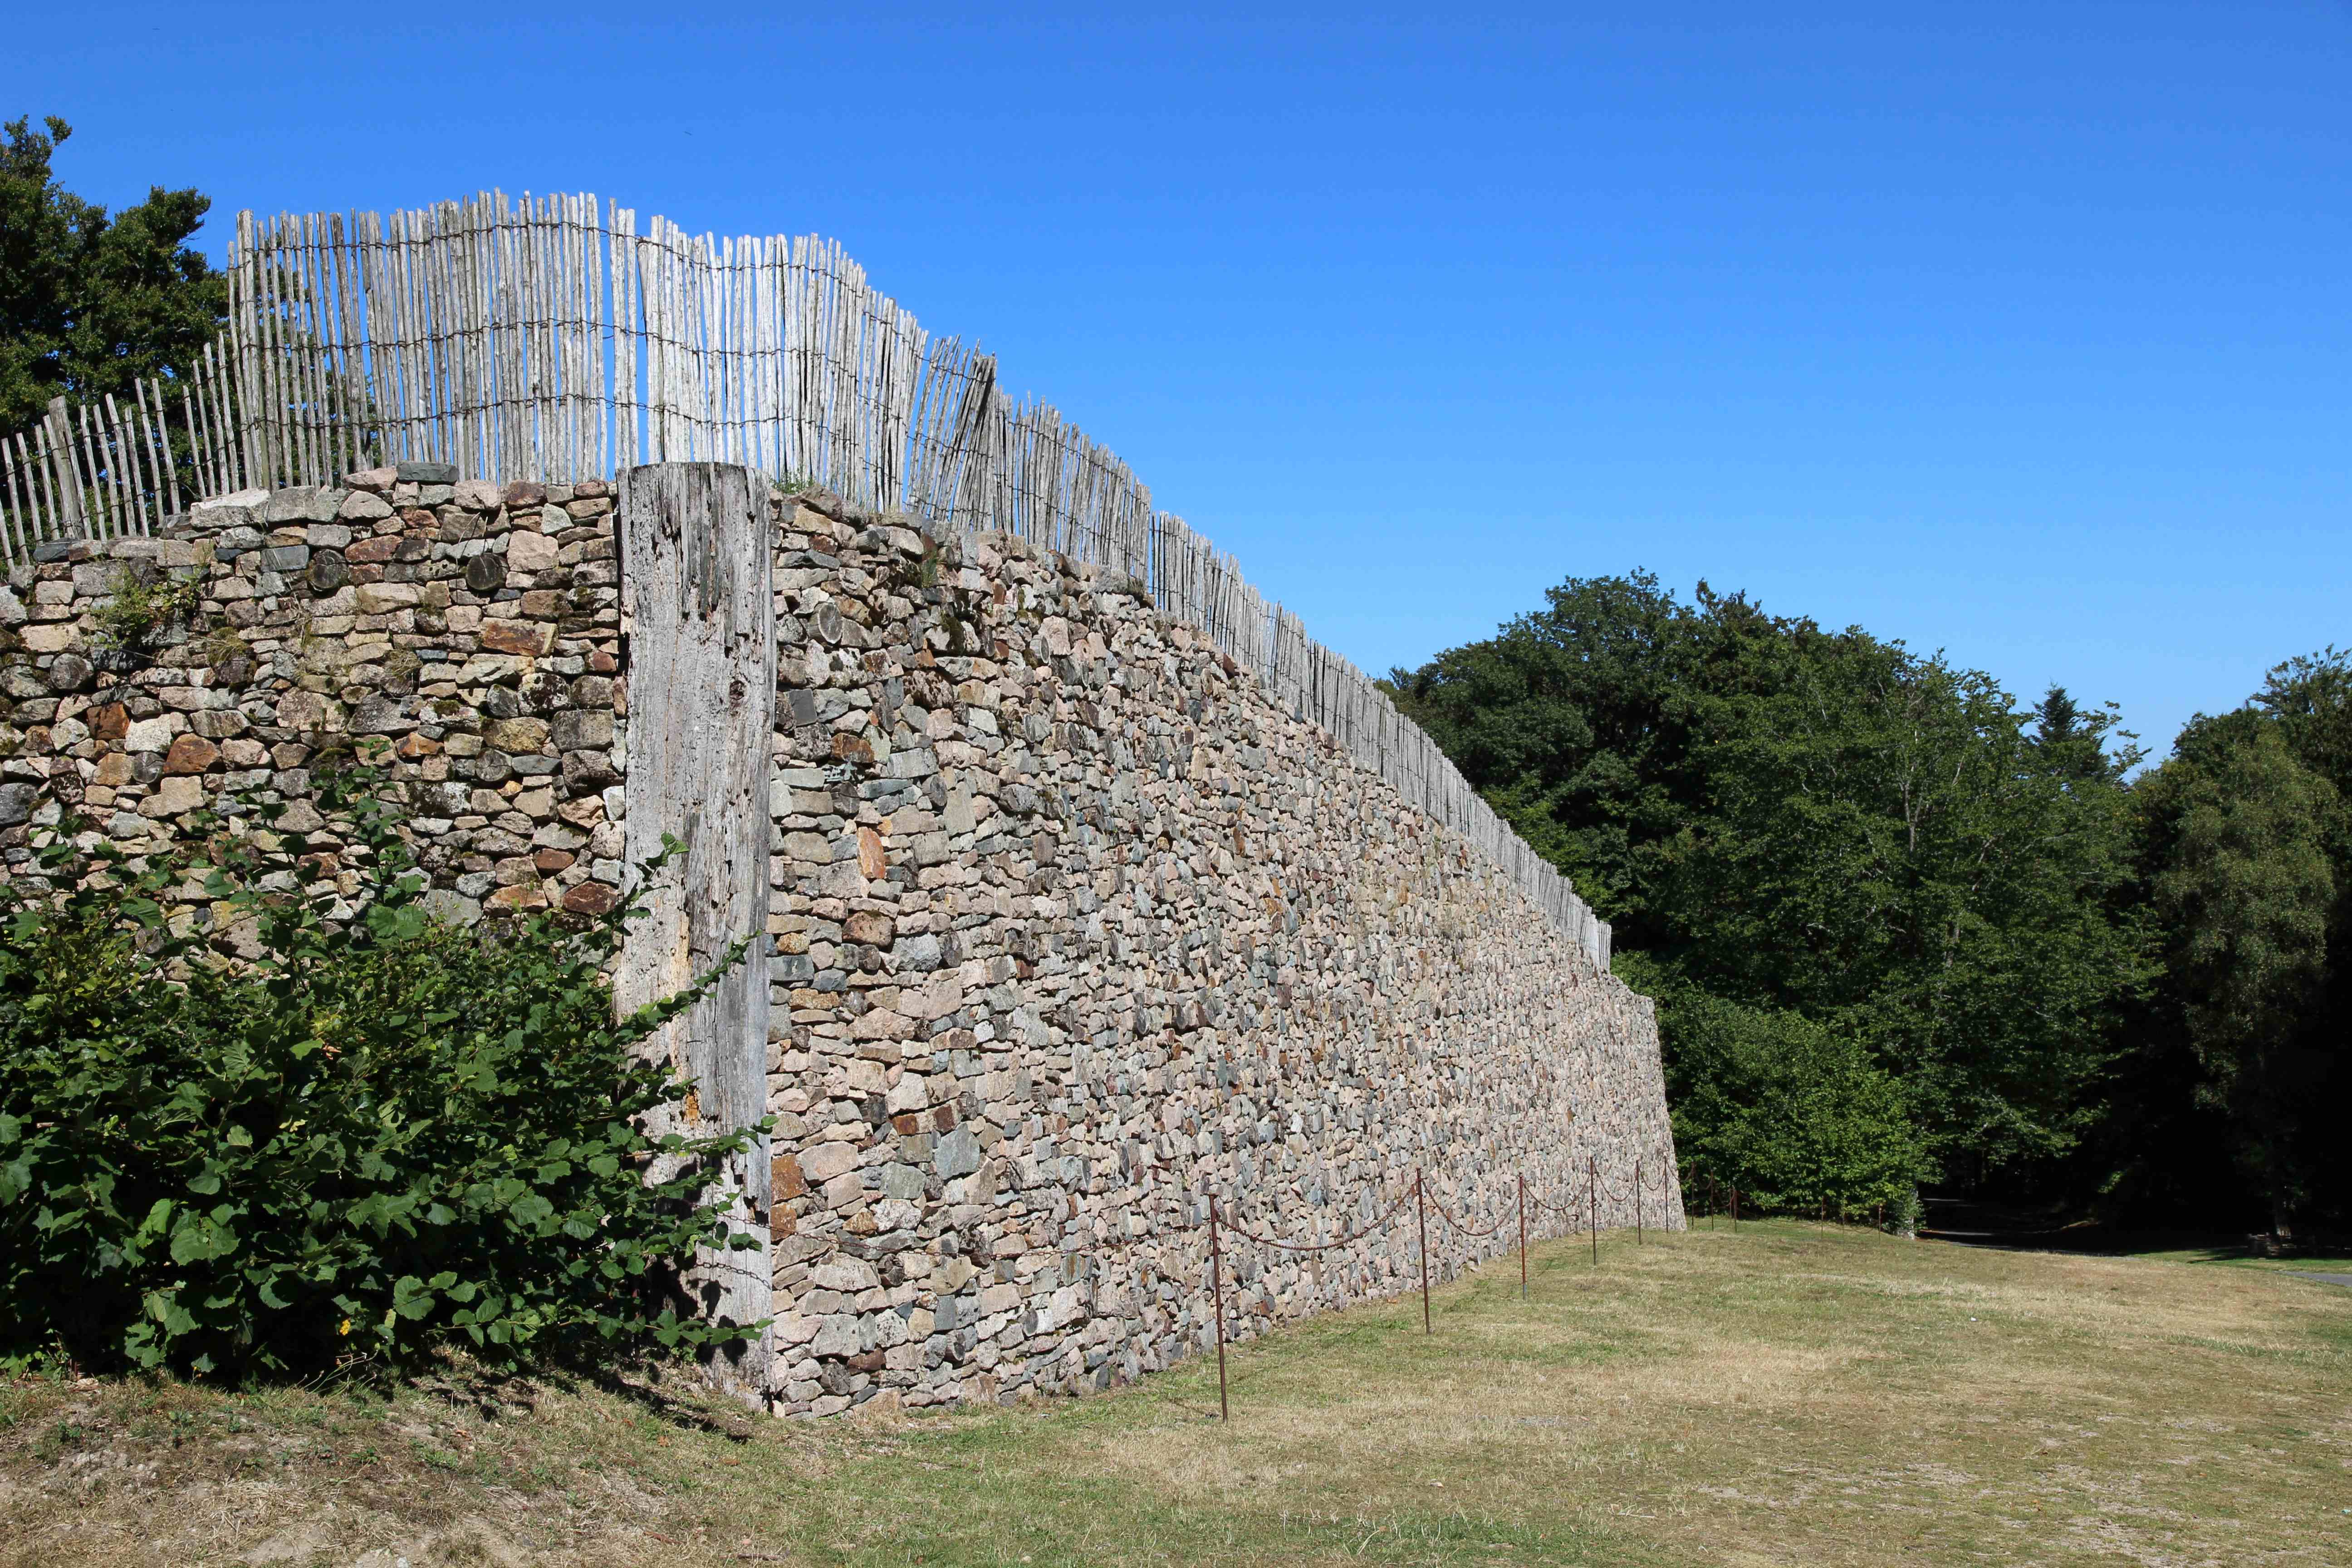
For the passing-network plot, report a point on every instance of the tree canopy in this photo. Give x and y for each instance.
(89, 300)
(2245, 859)
(1785, 817)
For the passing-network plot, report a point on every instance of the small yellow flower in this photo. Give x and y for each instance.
(346, 1328)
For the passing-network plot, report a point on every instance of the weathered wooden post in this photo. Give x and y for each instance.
(73, 519)
(699, 613)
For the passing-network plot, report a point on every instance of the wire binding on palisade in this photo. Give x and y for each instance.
(551, 339)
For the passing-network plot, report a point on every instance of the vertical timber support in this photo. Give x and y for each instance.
(72, 521)
(696, 574)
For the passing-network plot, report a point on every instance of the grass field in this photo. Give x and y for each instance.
(1791, 1395)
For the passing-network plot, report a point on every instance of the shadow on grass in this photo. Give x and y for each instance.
(1965, 1223)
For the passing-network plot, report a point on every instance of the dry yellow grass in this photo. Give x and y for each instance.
(1791, 1395)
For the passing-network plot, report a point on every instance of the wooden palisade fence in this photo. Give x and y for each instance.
(552, 339)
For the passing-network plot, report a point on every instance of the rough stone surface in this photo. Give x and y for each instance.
(1076, 928)
(382, 647)
(1073, 927)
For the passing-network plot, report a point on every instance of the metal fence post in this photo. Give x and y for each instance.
(1592, 1196)
(1420, 1216)
(1217, 1305)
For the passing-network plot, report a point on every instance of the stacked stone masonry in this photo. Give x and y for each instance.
(1072, 927)
(465, 636)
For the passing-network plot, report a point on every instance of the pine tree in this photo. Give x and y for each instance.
(90, 301)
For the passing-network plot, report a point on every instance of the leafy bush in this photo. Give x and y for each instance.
(384, 1134)
(1794, 1115)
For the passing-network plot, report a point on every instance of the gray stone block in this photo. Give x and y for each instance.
(959, 1154)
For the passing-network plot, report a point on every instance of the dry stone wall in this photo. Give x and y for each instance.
(464, 635)
(1072, 927)
(1077, 929)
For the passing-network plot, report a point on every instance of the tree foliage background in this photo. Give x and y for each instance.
(1872, 889)
(2236, 1066)
(91, 301)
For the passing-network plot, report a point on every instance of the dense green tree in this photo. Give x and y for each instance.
(2245, 842)
(1892, 850)
(1825, 823)
(2310, 696)
(1790, 1111)
(2311, 699)
(91, 301)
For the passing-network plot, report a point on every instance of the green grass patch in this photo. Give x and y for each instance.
(1790, 1394)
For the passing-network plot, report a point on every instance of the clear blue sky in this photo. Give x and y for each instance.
(2016, 331)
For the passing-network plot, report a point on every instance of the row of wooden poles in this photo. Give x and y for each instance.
(552, 339)
(114, 468)
(1420, 1205)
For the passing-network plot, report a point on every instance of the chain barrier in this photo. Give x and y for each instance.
(1317, 1246)
(1464, 1226)
(1220, 1224)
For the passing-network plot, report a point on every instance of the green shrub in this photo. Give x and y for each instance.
(384, 1134)
(1795, 1116)
(139, 609)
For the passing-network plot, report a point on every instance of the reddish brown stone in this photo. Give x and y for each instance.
(869, 854)
(591, 898)
(852, 749)
(113, 770)
(415, 746)
(869, 927)
(110, 722)
(602, 663)
(190, 755)
(906, 1123)
(785, 1181)
(943, 1119)
(546, 603)
(373, 551)
(522, 896)
(527, 637)
(550, 861)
